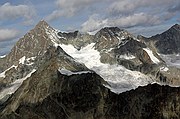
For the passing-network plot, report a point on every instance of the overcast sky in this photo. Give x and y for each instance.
(145, 17)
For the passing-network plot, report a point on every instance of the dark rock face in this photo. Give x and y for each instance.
(84, 97)
(149, 102)
(168, 42)
(54, 95)
(76, 96)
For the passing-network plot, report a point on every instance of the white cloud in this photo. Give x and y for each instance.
(70, 8)
(8, 34)
(8, 11)
(93, 23)
(141, 19)
(54, 15)
(133, 13)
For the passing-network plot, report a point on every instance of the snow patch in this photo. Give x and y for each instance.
(22, 60)
(29, 61)
(119, 78)
(4, 72)
(14, 86)
(30, 58)
(120, 38)
(151, 55)
(164, 69)
(2, 56)
(69, 73)
(127, 57)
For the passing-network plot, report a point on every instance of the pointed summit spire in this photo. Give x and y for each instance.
(42, 24)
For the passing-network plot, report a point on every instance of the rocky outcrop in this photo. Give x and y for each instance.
(117, 46)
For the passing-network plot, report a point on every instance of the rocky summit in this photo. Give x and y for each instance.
(50, 74)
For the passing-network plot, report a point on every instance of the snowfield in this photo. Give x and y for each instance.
(119, 78)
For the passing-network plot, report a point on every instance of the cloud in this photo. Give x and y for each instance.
(136, 13)
(178, 20)
(69, 8)
(149, 30)
(176, 8)
(94, 23)
(127, 7)
(54, 15)
(8, 34)
(141, 19)
(8, 11)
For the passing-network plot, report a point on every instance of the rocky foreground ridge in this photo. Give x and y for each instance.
(51, 74)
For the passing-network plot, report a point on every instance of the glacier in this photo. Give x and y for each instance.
(118, 77)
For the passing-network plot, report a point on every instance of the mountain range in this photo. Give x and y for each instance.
(111, 74)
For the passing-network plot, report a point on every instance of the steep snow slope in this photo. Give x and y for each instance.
(150, 53)
(14, 86)
(119, 78)
(4, 72)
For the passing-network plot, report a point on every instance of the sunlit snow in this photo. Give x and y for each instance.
(2, 56)
(22, 60)
(127, 57)
(151, 55)
(69, 73)
(164, 69)
(119, 78)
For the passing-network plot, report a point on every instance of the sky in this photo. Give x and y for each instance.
(144, 17)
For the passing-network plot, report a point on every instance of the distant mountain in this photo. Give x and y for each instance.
(167, 42)
(53, 74)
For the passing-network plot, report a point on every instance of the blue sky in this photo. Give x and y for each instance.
(145, 17)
